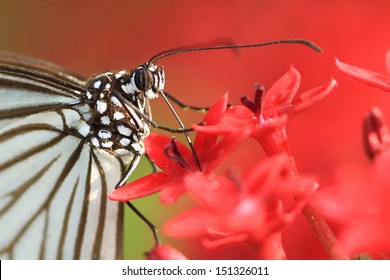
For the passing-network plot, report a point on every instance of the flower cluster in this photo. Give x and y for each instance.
(256, 208)
(253, 209)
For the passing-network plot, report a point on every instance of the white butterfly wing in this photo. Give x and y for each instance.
(53, 183)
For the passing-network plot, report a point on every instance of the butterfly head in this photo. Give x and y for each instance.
(150, 79)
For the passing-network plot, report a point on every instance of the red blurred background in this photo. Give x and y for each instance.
(92, 36)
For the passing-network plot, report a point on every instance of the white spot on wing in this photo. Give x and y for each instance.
(125, 141)
(104, 134)
(105, 120)
(84, 129)
(88, 94)
(124, 130)
(95, 142)
(137, 147)
(97, 84)
(101, 106)
(121, 152)
(118, 116)
(116, 101)
(107, 144)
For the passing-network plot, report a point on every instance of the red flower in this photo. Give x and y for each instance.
(248, 210)
(359, 204)
(177, 161)
(165, 252)
(366, 76)
(267, 115)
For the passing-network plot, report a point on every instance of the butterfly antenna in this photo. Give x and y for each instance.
(175, 51)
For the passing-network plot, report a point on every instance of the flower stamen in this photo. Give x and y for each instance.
(174, 154)
(255, 106)
(375, 132)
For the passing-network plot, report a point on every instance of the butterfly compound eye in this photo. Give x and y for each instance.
(143, 79)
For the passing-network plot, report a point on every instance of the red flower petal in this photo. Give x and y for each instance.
(213, 116)
(366, 76)
(283, 91)
(139, 188)
(312, 96)
(235, 118)
(224, 148)
(154, 146)
(171, 192)
(215, 113)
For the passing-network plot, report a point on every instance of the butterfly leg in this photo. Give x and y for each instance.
(154, 166)
(152, 227)
(133, 164)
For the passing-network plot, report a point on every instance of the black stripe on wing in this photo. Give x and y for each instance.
(34, 65)
(69, 168)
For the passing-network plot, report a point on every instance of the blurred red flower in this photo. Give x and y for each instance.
(359, 204)
(244, 210)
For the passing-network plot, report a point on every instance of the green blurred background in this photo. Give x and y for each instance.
(93, 36)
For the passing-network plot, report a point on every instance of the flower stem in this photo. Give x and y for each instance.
(277, 143)
(324, 233)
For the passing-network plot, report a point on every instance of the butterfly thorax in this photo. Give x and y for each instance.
(115, 126)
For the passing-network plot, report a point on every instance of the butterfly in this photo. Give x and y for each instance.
(66, 141)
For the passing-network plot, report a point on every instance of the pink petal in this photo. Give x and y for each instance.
(283, 91)
(311, 97)
(155, 145)
(144, 186)
(366, 76)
